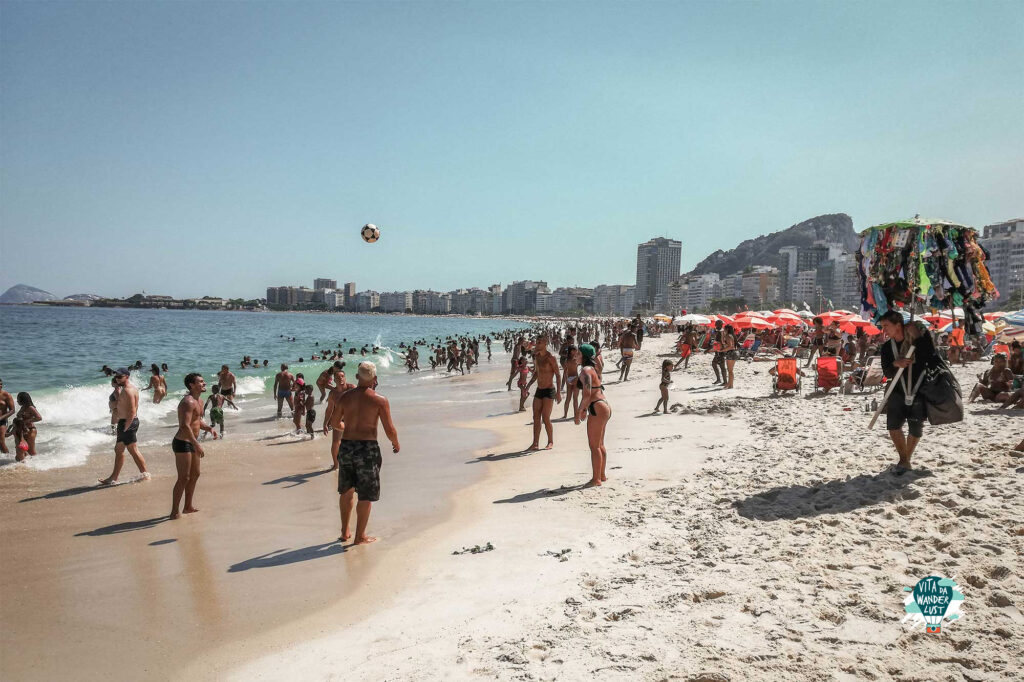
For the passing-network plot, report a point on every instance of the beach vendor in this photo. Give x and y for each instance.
(906, 405)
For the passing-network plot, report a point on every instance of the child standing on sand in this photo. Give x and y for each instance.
(666, 380)
(310, 410)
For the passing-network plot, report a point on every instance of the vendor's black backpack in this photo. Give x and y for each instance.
(942, 395)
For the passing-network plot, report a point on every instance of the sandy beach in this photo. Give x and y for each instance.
(739, 537)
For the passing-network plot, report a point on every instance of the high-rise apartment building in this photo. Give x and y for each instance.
(1005, 245)
(608, 299)
(657, 264)
(322, 283)
(760, 287)
(795, 259)
(702, 290)
(350, 294)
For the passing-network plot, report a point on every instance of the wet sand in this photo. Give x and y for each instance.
(101, 585)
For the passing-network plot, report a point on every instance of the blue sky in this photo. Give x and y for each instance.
(205, 148)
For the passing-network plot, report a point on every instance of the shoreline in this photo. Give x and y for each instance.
(120, 535)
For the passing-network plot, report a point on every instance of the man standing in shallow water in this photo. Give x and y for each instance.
(549, 391)
(283, 388)
(359, 458)
(7, 409)
(127, 410)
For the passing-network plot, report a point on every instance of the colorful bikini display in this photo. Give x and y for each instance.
(915, 264)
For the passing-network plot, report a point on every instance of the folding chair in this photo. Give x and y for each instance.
(787, 376)
(869, 376)
(828, 372)
(750, 351)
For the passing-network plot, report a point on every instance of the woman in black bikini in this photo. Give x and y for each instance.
(24, 427)
(593, 403)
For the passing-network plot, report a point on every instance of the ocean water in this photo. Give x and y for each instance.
(56, 355)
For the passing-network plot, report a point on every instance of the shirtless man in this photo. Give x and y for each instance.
(332, 417)
(7, 409)
(185, 445)
(127, 427)
(359, 458)
(283, 388)
(627, 346)
(549, 391)
(226, 380)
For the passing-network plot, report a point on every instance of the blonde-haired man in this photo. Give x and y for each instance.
(359, 458)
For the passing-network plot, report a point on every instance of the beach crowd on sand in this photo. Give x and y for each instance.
(560, 357)
(791, 382)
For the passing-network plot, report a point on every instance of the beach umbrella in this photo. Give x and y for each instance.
(785, 319)
(786, 311)
(849, 328)
(693, 318)
(835, 316)
(1014, 328)
(663, 318)
(753, 323)
(995, 316)
(724, 318)
(937, 319)
(806, 314)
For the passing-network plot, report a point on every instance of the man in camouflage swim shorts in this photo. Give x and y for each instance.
(359, 457)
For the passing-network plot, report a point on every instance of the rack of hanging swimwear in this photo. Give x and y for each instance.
(915, 264)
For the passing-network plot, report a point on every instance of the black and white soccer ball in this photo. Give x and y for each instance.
(370, 233)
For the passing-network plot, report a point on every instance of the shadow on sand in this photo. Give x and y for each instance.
(542, 493)
(68, 492)
(125, 527)
(491, 457)
(283, 557)
(297, 479)
(835, 497)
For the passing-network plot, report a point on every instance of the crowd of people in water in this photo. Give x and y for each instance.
(564, 361)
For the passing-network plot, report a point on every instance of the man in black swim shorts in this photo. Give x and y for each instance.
(127, 410)
(359, 458)
(549, 391)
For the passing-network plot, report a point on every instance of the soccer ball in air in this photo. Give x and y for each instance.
(370, 233)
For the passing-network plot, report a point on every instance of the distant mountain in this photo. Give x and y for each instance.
(22, 293)
(83, 297)
(764, 250)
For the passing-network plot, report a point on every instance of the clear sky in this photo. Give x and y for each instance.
(204, 148)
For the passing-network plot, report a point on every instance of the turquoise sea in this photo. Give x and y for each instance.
(56, 354)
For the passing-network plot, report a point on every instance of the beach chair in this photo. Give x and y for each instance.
(870, 376)
(787, 376)
(749, 351)
(828, 372)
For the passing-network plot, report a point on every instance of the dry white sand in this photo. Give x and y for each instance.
(742, 537)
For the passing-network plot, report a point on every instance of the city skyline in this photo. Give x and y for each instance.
(141, 141)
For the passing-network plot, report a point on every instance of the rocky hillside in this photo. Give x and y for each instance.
(764, 250)
(22, 293)
(83, 297)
